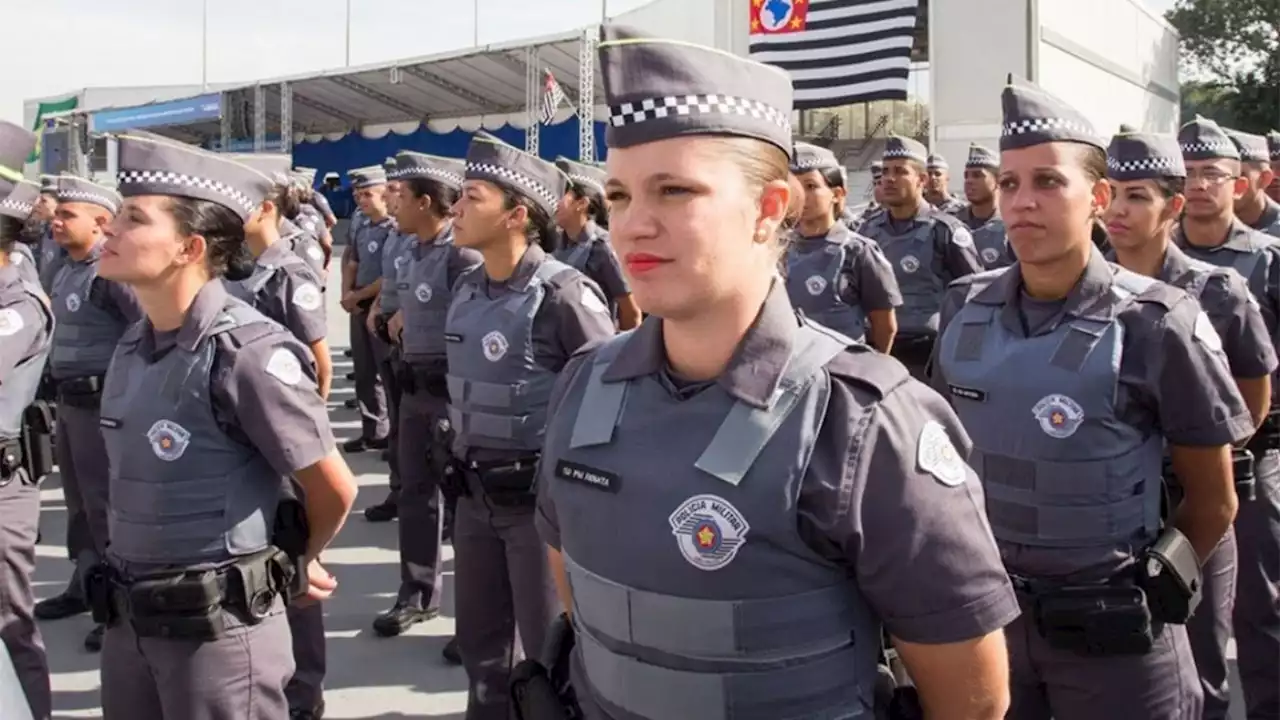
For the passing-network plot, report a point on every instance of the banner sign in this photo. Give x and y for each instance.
(176, 112)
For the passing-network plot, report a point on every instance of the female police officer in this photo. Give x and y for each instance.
(731, 493)
(1147, 179)
(26, 328)
(511, 326)
(207, 405)
(836, 276)
(1071, 375)
(583, 218)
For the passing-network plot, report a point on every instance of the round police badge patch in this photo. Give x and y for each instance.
(910, 263)
(16, 258)
(48, 255)
(709, 531)
(815, 284)
(399, 262)
(962, 238)
(592, 302)
(936, 455)
(307, 297)
(283, 365)
(1059, 415)
(10, 322)
(373, 246)
(990, 255)
(494, 345)
(168, 440)
(423, 293)
(315, 253)
(73, 302)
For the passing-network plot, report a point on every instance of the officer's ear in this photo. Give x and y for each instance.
(775, 200)
(1101, 196)
(518, 218)
(1266, 178)
(1175, 205)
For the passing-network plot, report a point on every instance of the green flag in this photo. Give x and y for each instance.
(48, 109)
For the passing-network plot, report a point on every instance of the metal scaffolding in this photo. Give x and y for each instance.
(586, 95)
(532, 93)
(259, 118)
(286, 118)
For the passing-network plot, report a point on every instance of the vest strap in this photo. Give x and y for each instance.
(1082, 337)
(809, 624)
(746, 429)
(601, 406)
(973, 322)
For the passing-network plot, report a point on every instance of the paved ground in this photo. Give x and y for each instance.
(369, 677)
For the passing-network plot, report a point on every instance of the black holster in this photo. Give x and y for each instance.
(1242, 469)
(81, 392)
(12, 464)
(36, 440)
(381, 328)
(448, 472)
(1268, 435)
(1169, 573)
(506, 484)
(1091, 620)
(47, 390)
(292, 533)
(541, 689)
(98, 582)
(419, 377)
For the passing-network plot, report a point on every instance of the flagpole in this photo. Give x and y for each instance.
(204, 46)
(348, 32)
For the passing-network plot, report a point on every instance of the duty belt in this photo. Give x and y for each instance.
(506, 483)
(82, 392)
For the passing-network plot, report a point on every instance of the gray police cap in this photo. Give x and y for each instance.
(152, 167)
(273, 165)
(20, 201)
(937, 162)
(981, 156)
(1252, 148)
(49, 184)
(1144, 156)
(1034, 117)
(808, 157)
(492, 160)
(1204, 139)
(582, 174)
(877, 168)
(72, 189)
(410, 165)
(367, 177)
(1273, 143)
(16, 145)
(658, 89)
(905, 148)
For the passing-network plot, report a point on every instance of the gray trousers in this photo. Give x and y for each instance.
(19, 518)
(306, 689)
(239, 677)
(421, 522)
(388, 363)
(370, 393)
(1051, 684)
(1256, 620)
(1210, 627)
(82, 463)
(502, 584)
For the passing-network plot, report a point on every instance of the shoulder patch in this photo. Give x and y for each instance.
(861, 366)
(307, 296)
(283, 365)
(11, 322)
(936, 455)
(962, 237)
(592, 301)
(1206, 335)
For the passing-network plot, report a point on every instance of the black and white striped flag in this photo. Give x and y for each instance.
(837, 51)
(552, 96)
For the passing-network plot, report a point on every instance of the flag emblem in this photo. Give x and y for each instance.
(777, 16)
(552, 96)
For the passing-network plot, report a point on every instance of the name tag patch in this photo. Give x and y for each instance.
(109, 423)
(452, 337)
(589, 476)
(968, 393)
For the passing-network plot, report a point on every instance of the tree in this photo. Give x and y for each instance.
(1231, 52)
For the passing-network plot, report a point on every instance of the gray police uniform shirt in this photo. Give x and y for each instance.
(26, 333)
(951, 205)
(989, 236)
(92, 313)
(426, 291)
(928, 252)
(367, 243)
(304, 243)
(837, 278)
(321, 203)
(23, 259)
(1269, 221)
(517, 332)
(51, 256)
(1069, 404)
(246, 413)
(397, 252)
(1256, 257)
(866, 469)
(592, 255)
(285, 289)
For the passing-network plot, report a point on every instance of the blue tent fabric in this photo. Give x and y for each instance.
(354, 150)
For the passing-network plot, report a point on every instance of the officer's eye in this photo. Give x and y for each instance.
(1048, 182)
(1008, 183)
(675, 190)
(615, 196)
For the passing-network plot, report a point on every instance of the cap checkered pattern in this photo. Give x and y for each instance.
(82, 196)
(15, 206)
(1146, 164)
(428, 173)
(1212, 146)
(482, 171)
(584, 180)
(902, 152)
(179, 182)
(655, 108)
(1034, 125)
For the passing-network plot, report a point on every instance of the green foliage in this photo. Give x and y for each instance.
(1232, 49)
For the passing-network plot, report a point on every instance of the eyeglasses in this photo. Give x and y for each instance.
(1212, 176)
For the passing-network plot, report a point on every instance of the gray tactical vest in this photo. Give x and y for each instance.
(912, 257)
(23, 259)
(733, 615)
(51, 257)
(86, 334)
(305, 245)
(576, 255)
(369, 240)
(182, 491)
(1060, 468)
(425, 298)
(396, 254)
(498, 393)
(814, 270)
(992, 245)
(18, 390)
(1244, 261)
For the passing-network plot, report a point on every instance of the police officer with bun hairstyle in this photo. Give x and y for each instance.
(512, 325)
(728, 492)
(927, 248)
(1253, 207)
(937, 187)
(1210, 231)
(1147, 181)
(836, 276)
(286, 198)
(207, 408)
(1074, 377)
(26, 329)
(980, 214)
(428, 188)
(583, 217)
(310, 218)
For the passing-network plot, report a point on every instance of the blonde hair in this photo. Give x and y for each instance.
(762, 163)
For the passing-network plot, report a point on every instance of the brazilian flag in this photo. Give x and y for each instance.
(47, 109)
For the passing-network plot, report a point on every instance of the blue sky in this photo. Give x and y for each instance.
(71, 44)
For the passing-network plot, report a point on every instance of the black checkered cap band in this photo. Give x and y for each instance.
(901, 152)
(428, 173)
(1213, 146)
(506, 175)
(1148, 164)
(657, 108)
(178, 182)
(88, 197)
(1034, 125)
(15, 209)
(1250, 154)
(584, 180)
